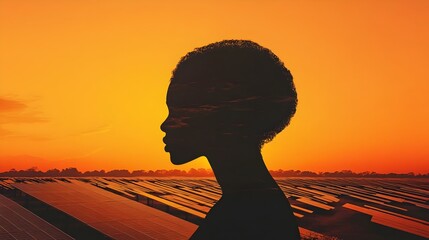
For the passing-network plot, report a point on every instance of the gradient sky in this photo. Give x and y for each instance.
(83, 83)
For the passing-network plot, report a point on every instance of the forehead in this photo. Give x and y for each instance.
(194, 93)
(182, 94)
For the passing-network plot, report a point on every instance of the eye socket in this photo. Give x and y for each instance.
(176, 122)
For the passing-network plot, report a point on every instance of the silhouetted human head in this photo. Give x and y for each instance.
(228, 93)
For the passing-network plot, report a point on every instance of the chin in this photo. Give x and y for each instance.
(180, 158)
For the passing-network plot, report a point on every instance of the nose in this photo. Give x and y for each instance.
(167, 124)
(173, 123)
(164, 125)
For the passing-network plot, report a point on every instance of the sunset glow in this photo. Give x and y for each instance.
(83, 83)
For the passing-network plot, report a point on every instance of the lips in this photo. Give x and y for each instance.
(172, 143)
(168, 143)
(170, 140)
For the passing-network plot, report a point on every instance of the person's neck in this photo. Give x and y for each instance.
(240, 168)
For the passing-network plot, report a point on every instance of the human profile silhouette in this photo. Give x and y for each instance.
(225, 101)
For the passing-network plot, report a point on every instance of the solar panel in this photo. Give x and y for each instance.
(415, 226)
(111, 214)
(16, 222)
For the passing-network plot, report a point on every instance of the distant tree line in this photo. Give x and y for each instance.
(345, 173)
(201, 172)
(74, 172)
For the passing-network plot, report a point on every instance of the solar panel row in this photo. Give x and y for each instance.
(415, 227)
(16, 222)
(115, 216)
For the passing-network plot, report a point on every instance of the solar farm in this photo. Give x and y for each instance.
(172, 208)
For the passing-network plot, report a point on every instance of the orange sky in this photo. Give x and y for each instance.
(83, 83)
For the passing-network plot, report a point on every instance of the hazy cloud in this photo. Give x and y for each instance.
(96, 130)
(7, 105)
(14, 111)
(84, 155)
